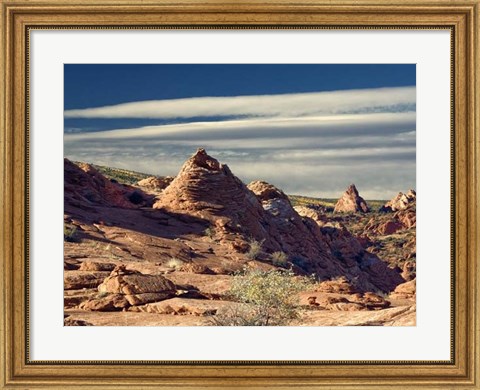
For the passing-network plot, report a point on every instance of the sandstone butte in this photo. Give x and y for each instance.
(127, 245)
(351, 202)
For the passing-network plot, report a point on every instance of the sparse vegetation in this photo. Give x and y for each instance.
(328, 204)
(298, 200)
(209, 232)
(122, 176)
(268, 298)
(175, 263)
(280, 259)
(70, 233)
(255, 249)
(102, 294)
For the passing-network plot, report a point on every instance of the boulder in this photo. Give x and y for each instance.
(123, 288)
(69, 321)
(405, 290)
(74, 280)
(96, 266)
(111, 302)
(389, 227)
(123, 281)
(196, 269)
(339, 285)
(155, 182)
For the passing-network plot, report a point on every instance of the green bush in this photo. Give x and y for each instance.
(255, 249)
(266, 298)
(280, 259)
(209, 232)
(175, 263)
(70, 233)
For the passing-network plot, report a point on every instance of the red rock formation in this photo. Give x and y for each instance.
(137, 288)
(294, 236)
(406, 290)
(206, 193)
(400, 202)
(207, 189)
(407, 217)
(85, 186)
(155, 183)
(348, 251)
(409, 270)
(389, 227)
(401, 220)
(351, 202)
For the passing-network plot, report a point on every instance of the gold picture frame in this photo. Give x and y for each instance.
(19, 17)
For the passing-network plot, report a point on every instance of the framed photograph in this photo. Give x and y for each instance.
(237, 185)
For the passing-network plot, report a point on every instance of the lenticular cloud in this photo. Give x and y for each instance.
(285, 105)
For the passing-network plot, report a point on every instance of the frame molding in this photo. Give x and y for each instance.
(18, 17)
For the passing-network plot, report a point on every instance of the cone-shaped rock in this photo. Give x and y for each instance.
(351, 202)
(207, 189)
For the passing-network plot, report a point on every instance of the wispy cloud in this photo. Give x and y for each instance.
(270, 106)
(248, 129)
(316, 156)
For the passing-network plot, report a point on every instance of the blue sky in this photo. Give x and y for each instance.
(324, 125)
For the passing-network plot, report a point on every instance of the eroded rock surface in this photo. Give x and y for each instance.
(351, 202)
(400, 202)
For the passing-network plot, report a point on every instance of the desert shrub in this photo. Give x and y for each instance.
(241, 315)
(280, 259)
(136, 197)
(103, 294)
(175, 263)
(266, 297)
(255, 249)
(70, 233)
(209, 232)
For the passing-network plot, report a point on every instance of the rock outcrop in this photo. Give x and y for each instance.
(155, 183)
(400, 202)
(295, 238)
(85, 186)
(208, 190)
(406, 290)
(137, 288)
(351, 202)
(393, 223)
(126, 287)
(351, 254)
(238, 214)
(129, 263)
